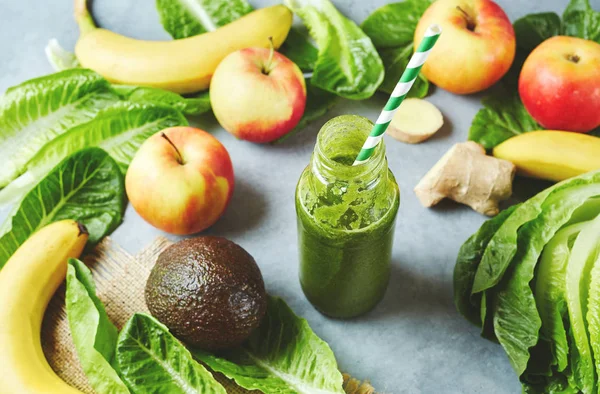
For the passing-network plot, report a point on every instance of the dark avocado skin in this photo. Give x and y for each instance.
(208, 291)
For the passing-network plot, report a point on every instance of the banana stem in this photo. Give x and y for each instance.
(83, 17)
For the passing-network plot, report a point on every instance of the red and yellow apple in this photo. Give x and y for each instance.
(257, 94)
(476, 48)
(560, 84)
(180, 180)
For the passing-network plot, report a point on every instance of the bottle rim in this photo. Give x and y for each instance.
(347, 133)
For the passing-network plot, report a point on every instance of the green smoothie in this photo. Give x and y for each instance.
(346, 219)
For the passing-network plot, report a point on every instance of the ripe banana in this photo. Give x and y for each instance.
(550, 154)
(27, 282)
(181, 66)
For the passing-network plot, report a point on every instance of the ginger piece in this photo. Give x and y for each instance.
(467, 175)
(415, 121)
(353, 386)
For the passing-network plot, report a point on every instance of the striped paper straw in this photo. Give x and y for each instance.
(406, 81)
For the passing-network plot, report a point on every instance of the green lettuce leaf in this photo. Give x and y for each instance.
(348, 64)
(503, 245)
(516, 320)
(94, 336)
(197, 104)
(151, 360)
(298, 49)
(59, 58)
(557, 383)
(584, 254)
(87, 187)
(593, 313)
(282, 356)
(120, 130)
(503, 116)
(469, 257)
(186, 18)
(392, 28)
(580, 20)
(37, 111)
(550, 293)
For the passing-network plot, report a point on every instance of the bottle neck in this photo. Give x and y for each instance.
(338, 144)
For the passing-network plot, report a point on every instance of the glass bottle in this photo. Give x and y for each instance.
(346, 219)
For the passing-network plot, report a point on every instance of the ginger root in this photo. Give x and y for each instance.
(353, 386)
(415, 121)
(466, 175)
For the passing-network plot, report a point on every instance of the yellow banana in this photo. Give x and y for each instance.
(181, 66)
(550, 154)
(27, 282)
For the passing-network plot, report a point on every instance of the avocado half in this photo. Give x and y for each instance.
(208, 291)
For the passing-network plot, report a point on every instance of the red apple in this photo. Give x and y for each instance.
(560, 84)
(476, 48)
(258, 94)
(180, 180)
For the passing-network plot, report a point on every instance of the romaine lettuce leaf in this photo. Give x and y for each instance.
(119, 129)
(299, 49)
(94, 336)
(151, 360)
(59, 58)
(87, 187)
(584, 254)
(282, 356)
(593, 313)
(197, 104)
(392, 28)
(550, 292)
(35, 112)
(516, 320)
(348, 63)
(503, 245)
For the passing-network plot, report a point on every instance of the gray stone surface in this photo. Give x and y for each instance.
(414, 341)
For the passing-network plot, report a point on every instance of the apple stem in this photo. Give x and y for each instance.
(267, 67)
(179, 157)
(470, 21)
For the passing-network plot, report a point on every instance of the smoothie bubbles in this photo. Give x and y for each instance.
(346, 203)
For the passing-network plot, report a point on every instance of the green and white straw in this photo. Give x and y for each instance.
(400, 91)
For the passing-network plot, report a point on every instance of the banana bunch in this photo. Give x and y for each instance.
(27, 282)
(181, 66)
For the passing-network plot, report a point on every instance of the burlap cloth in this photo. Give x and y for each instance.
(120, 279)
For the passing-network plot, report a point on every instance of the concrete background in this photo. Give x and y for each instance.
(414, 341)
